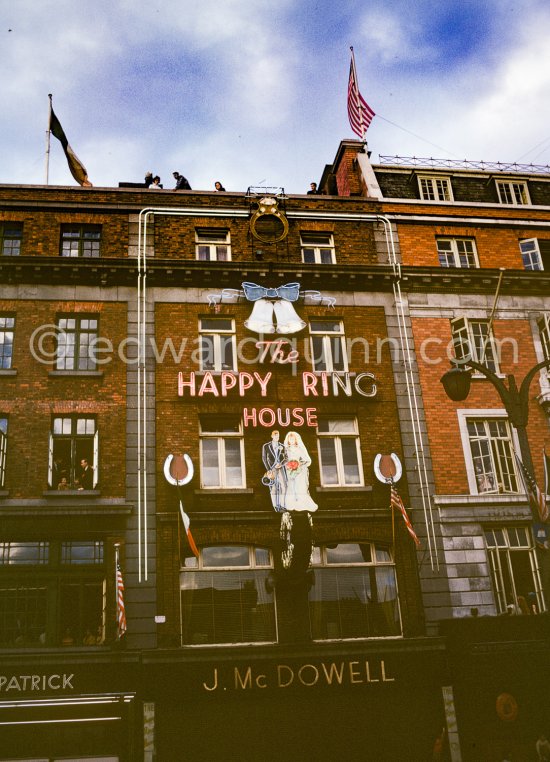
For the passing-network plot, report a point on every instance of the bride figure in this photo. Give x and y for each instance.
(297, 465)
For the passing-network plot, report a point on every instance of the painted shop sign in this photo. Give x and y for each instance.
(308, 675)
(36, 683)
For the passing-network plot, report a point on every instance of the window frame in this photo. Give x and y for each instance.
(528, 257)
(78, 345)
(337, 438)
(221, 436)
(76, 454)
(513, 192)
(498, 554)
(470, 327)
(458, 257)
(436, 192)
(6, 358)
(48, 578)
(264, 572)
(487, 415)
(16, 230)
(85, 236)
(321, 565)
(543, 326)
(217, 335)
(317, 246)
(327, 354)
(210, 239)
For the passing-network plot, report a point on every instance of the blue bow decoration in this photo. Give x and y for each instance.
(290, 292)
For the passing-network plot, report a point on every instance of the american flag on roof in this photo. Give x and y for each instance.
(359, 112)
(537, 500)
(396, 502)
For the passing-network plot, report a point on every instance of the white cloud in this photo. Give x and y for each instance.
(224, 90)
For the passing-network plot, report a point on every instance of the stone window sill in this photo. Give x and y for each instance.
(84, 373)
(341, 488)
(224, 491)
(71, 493)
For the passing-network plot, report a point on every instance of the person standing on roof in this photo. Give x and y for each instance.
(181, 182)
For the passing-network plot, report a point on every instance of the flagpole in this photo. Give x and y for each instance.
(359, 107)
(48, 140)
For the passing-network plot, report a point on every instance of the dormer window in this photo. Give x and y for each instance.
(435, 188)
(513, 192)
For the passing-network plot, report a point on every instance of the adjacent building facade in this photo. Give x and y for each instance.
(201, 392)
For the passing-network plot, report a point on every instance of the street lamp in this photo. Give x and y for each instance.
(457, 381)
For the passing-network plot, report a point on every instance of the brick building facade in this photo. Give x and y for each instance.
(139, 328)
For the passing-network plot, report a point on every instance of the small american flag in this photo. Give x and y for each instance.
(537, 501)
(359, 112)
(120, 608)
(396, 502)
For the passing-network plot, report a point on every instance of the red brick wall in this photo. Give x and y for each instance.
(178, 431)
(496, 247)
(441, 418)
(32, 397)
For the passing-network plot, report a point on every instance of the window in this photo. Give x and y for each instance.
(81, 552)
(80, 240)
(510, 192)
(213, 245)
(328, 348)
(339, 453)
(354, 594)
(76, 341)
(72, 441)
(472, 341)
(3, 449)
(7, 325)
(222, 453)
(11, 234)
(218, 349)
(435, 188)
(492, 454)
(457, 252)
(514, 571)
(530, 254)
(544, 330)
(52, 593)
(318, 248)
(15, 553)
(535, 253)
(225, 598)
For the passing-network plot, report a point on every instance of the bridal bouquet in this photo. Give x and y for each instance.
(293, 467)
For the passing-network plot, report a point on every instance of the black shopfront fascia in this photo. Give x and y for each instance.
(353, 701)
(53, 707)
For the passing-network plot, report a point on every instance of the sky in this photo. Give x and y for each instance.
(253, 92)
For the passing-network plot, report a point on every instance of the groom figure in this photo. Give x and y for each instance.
(274, 458)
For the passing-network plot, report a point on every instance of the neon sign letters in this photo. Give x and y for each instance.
(313, 384)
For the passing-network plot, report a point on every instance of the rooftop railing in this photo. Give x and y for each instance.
(485, 166)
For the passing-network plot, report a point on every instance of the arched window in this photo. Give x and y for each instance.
(354, 594)
(226, 596)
